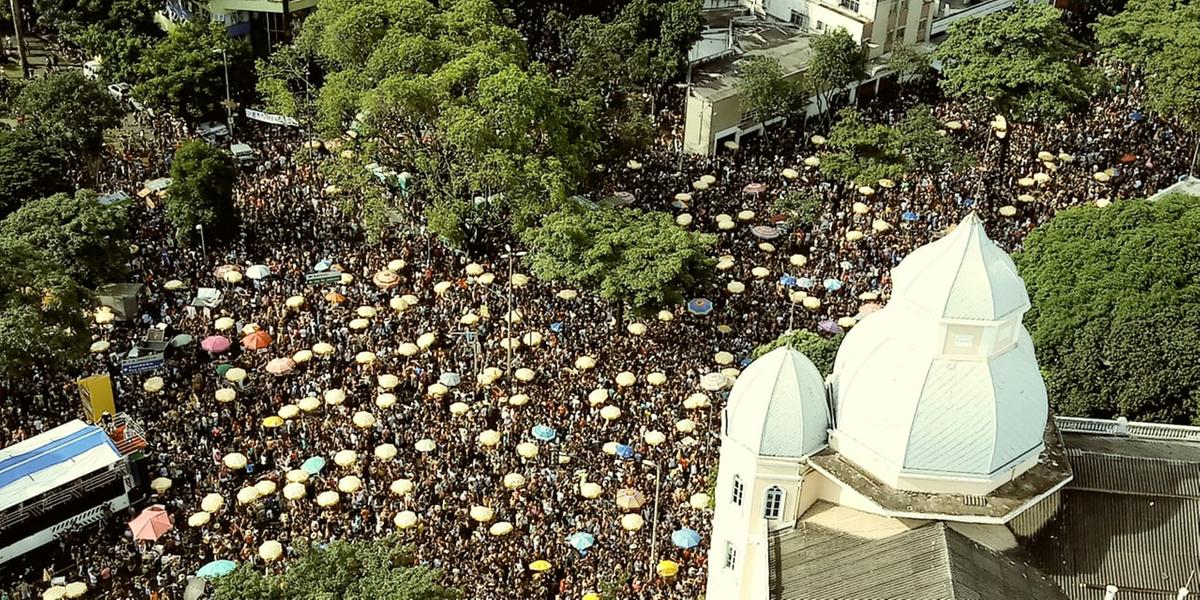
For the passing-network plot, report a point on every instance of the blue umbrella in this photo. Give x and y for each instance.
(700, 306)
(216, 568)
(685, 538)
(910, 216)
(323, 265)
(1136, 116)
(544, 433)
(556, 327)
(787, 280)
(624, 451)
(313, 465)
(581, 540)
(832, 284)
(805, 283)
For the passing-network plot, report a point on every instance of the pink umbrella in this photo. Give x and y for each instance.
(215, 344)
(151, 523)
(755, 188)
(281, 366)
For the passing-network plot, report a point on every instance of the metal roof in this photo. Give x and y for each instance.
(778, 406)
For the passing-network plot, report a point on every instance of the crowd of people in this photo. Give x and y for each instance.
(469, 378)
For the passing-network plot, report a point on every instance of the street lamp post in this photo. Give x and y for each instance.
(228, 99)
(203, 247)
(654, 523)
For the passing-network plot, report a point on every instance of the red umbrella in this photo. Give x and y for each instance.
(151, 523)
(257, 340)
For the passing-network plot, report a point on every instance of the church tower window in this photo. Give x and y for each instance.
(738, 490)
(773, 503)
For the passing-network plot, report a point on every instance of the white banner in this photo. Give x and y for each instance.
(274, 119)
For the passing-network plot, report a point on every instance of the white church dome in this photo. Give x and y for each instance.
(942, 383)
(778, 406)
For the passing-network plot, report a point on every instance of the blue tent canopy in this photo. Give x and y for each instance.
(685, 538)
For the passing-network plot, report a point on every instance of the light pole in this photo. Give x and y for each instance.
(228, 100)
(687, 92)
(203, 247)
(508, 318)
(654, 522)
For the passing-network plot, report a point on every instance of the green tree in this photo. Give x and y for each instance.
(836, 62)
(1159, 38)
(67, 111)
(909, 64)
(43, 311)
(89, 240)
(630, 258)
(184, 74)
(819, 349)
(29, 168)
(449, 94)
(201, 192)
(800, 208)
(1116, 309)
(863, 151)
(117, 31)
(924, 148)
(766, 90)
(666, 30)
(362, 570)
(1021, 63)
(285, 83)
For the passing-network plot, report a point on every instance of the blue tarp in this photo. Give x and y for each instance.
(52, 453)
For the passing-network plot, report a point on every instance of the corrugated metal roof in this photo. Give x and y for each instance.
(1134, 475)
(932, 562)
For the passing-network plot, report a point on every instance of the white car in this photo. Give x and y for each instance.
(120, 91)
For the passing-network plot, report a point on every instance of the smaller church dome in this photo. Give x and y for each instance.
(778, 406)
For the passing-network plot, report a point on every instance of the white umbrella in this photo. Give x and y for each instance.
(514, 481)
(610, 413)
(401, 487)
(363, 419)
(294, 491)
(626, 379)
(518, 399)
(482, 514)
(584, 363)
(489, 438)
(345, 458)
(405, 519)
(524, 374)
(500, 528)
(334, 396)
(258, 272)
(656, 378)
(385, 451)
(385, 400)
(590, 490)
(598, 396)
(270, 550)
(527, 449)
(349, 484)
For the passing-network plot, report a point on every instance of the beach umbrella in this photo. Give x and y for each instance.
(1025, 181)
(104, 315)
(248, 495)
(482, 514)
(684, 220)
(199, 519)
(216, 568)
(280, 366)
(313, 465)
(818, 140)
(881, 226)
(345, 458)
(632, 522)
(665, 315)
(610, 413)
(408, 349)
(581, 540)
(234, 460)
(539, 566)
(527, 449)
(212, 503)
(767, 247)
(151, 523)
(1041, 177)
(215, 344)
(474, 269)
(385, 400)
(309, 404)
(699, 185)
(514, 481)
(272, 422)
(161, 484)
(654, 438)
(270, 550)
(638, 329)
(735, 287)
(401, 487)
(656, 378)
(297, 476)
(405, 519)
(425, 445)
(590, 490)
(726, 225)
(544, 433)
(349, 484)
(500, 528)
(685, 538)
(1102, 176)
(364, 358)
(459, 408)
(854, 235)
(153, 385)
(709, 179)
(334, 298)
(363, 419)
(328, 498)
(1025, 198)
(1103, 202)
(630, 499)
(265, 487)
(910, 216)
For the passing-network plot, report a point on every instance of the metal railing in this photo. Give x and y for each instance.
(1156, 431)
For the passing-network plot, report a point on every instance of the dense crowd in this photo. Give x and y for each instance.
(292, 226)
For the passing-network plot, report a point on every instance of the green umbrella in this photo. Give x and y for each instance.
(223, 368)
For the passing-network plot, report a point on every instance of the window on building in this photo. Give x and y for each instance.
(820, 25)
(730, 556)
(900, 35)
(738, 490)
(799, 19)
(773, 503)
(850, 4)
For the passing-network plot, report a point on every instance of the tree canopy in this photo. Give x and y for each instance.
(766, 91)
(29, 168)
(1116, 309)
(68, 111)
(837, 61)
(819, 349)
(865, 152)
(43, 310)
(1162, 39)
(201, 191)
(184, 74)
(361, 570)
(1020, 62)
(449, 94)
(89, 240)
(638, 259)
(117, 31)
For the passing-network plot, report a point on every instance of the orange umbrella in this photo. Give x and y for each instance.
(335, 297)
(257, 340)
(151, 523)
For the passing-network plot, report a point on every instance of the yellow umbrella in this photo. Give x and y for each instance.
(297, 476)
(539, 566)
(328, 498)
(699, 501)
(265, 487)
(235, 374)
(500, 528)
(626, 379)
(272, 422)
(199, 519)
(567, 294)
(667, 568)
(294, 302)
(654, 438)
(270, 550)
(636, 328)
(161, 484)
(665, 315)
(212, 503)
(322, 348)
